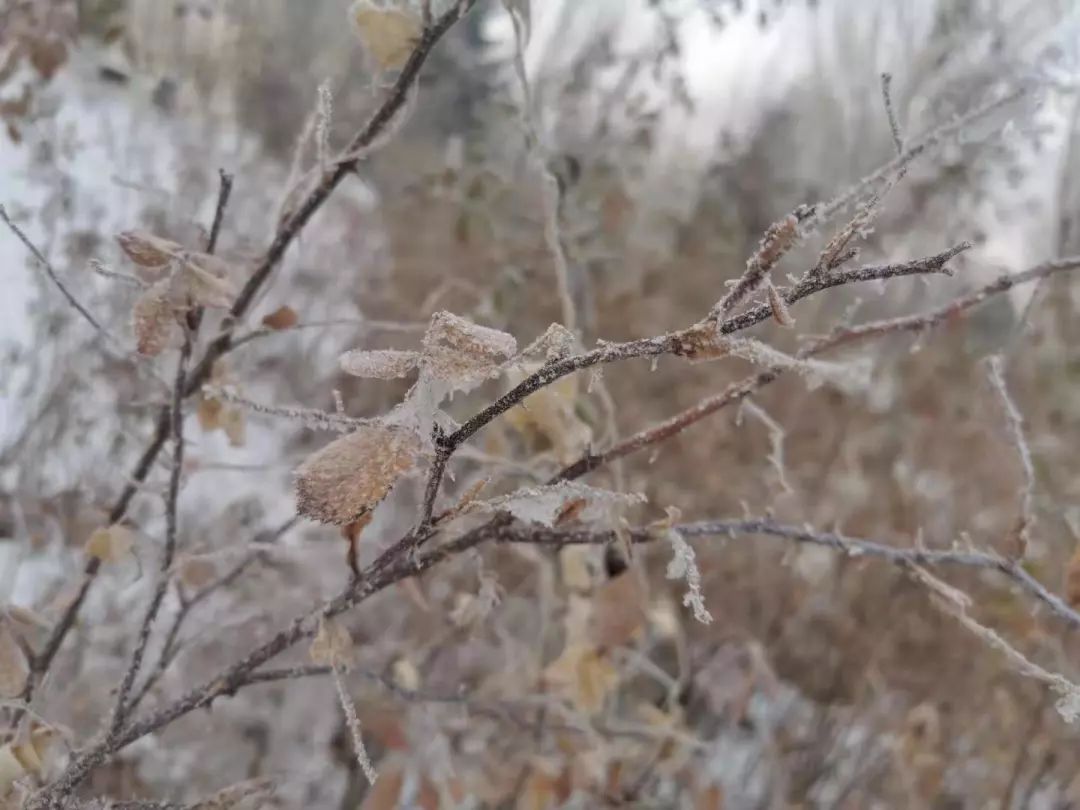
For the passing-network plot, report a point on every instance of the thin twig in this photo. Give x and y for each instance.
(54, 277)
(894, 124)
(1015, 420)
(122, 707)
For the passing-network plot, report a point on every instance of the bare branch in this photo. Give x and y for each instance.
(54, 277)
(1026, 518)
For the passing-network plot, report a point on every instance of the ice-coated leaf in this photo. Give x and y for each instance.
(146, 250)
(152, 319)
(464, 354)
(379, 364)
(547, 504)
(345, 479)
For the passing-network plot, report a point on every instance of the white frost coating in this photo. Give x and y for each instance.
(379, 364)
(544, 504)
(462, 354)
(684, 566)
(850, 378)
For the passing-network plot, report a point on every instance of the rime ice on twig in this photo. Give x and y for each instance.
(545, 505)
(778, 240)
(1026, 518)
(353, 722)
(683, 565)
(956, 604)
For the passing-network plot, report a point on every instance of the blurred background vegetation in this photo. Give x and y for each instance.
(678, 129)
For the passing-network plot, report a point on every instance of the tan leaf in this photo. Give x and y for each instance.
(618, 611)
(711, 798)
(147, 250)
(207, 289)
(284, 317)
(153, 319)
(551, 413)
(389, 35)
(209, 413)
(462, 353)
(405, 674)
(383, 364)
(197, 570)
(348, 477)
(584, 676)
(10, 768)
(13, 664)
(110, 544)
(332, 645)
(574, 567)
(234, 422)
(780, 311)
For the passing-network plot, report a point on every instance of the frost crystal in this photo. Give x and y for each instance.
(463, 354)
(546, 504)
(684, 566)
(387, 364)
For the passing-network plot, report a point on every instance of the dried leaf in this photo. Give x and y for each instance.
(198, 570)
(110, 544)
(284, 317)
(147, 250)
(779, 307)
(13, 664)
(574, 567)
(209, 413)
(702, 342)
(544, 504)
(584, 676)
(234, 423)
(332, 645)
(551, 413)
(207, 289)
(405, 674)
(153, 319)
(618, 611)
(10, 768)
(345, 479)
(462, 353)
(389, 35)
(384, 364)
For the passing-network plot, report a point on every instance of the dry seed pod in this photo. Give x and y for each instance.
(348, 477)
